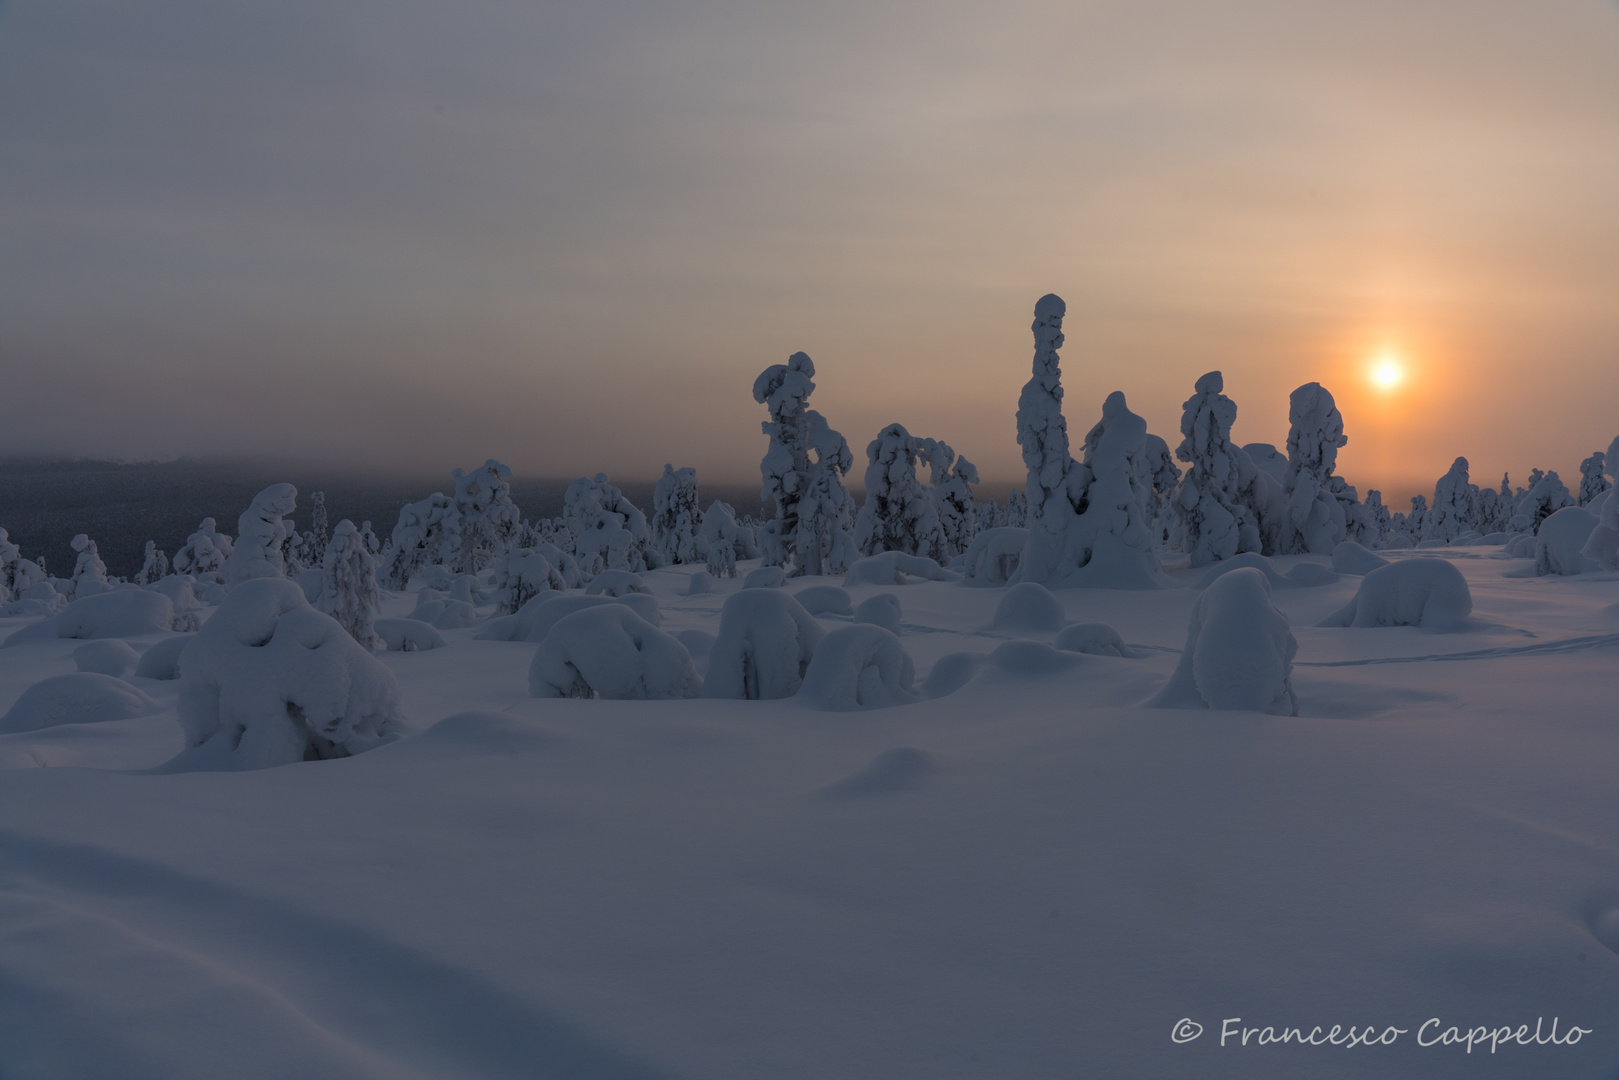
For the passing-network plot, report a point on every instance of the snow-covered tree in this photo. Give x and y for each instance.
(489, 518)
(1378, 523)
(154, 565)
(1163, 483)
(1494, 512)
(261, 534)
(1592, 482)
(1455, 505)
(205, 551)
(1417, 517)
(348, 585)
(1602, 546)
(1545, 497)
(10, 556)
(605, 529)
(372, 543)
(523, 575)
(952, 494)
(1319, 505)
(1017, 510)
(1212, 507)
(813, 508)
(320, 533)
(898, 514)
(428, 534)
(676, 515)
(298, 550)
(89, 572)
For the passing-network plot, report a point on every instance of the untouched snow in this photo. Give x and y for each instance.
(1030, 876)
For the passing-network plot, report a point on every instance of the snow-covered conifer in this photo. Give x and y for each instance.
(348, 585)
(605, 529)
(1017, 510)
(320, 534)
(428, 534)
(1163, 483)
(261, 534)
(676, 515)
(1378, 522)
(952, 495)
(1545, 497)
(489, 518)
(1592, 482)
(372, 543)
(813, 508)
(1319, 505)
(297, 550)
(205, 551)
(1602, 546)
(1417, 517)
(1212, 506)
(89, 572)
(154, 564)
(10, 556)
(523, 575)
(1455, 505)
(898, 514)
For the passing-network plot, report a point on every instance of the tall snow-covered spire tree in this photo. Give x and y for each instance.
(1455, 505)
(813, 508)
(1212, 506)
(1320, 506)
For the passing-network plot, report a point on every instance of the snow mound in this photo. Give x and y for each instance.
(881, 610)
(611, 652)
(1309, 574)
(109, 656)
(764, 646)
(699, 583)
(1239, 651)
(1521, 546)
(443, 612)
(951, 672)
(993, 557)
(766, 577)
(83, 697)
(616, 583)
(270, 681)
(700, 644)
(1562, 538)
(539, 615)
(892, 772)
(408, 635)
(162, 661)
(859, 667)
(1031, 657)
(896, 568)
(1430, 593)
(121, 614)
(1029, 608)
(1351, 558)
(1097, 639)
(825, 600)
(1248, 560)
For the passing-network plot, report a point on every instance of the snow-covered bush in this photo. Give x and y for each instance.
(605, 530)
(89, 572)
(896, 568)
(348, 585)
(720, 528)
(881, 610)
(1592, 482)
(1425, 592)
(80, 698)
(205, 551)
(154, 565)
(616, 583)
(108, 656)
(1455, 505)
(543, 612)
(1351, 558)
(269, 680)
(676, 515)
(119, 614)
(765, 642)
(1320, 505)
(1562, 538)
(765, 577)
(1096, 639)
(522, 576)
(1028, 608)
(993, 558)
(443, 612)
(813, 508)
(489, 519)
(899, 513)
(428, 533)
(952, 494)
(611, 652)
(162, 661)
(861, 666)
(409, 635)
(1545, 497)
(260, 535)
(1212, 508)
(1239, 651)
(1250, 559)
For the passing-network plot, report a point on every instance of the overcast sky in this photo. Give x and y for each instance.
(417, 235)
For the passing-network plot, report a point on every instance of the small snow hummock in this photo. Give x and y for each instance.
(1351, 558)
(825, 599)
(1239, 651)
(409, 635)
(676, 516)
(765, 643)
(1562, 539)
(108, 656)
(162, 661)
(859, 667)
(1096, 639)
(1426, 592)
(1213, 516)
(611, 652)
(896, 568)
(269, 681)
(80, 698)
(120, 614)
(616, 583)
(348, 585)
(260, 536)
(1029, 608)
(881, 610)
(765, 577)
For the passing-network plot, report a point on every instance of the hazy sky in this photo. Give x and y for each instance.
(569, 235)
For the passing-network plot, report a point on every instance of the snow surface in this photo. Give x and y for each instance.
(1025, 875)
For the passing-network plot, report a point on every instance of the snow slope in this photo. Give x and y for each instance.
(1031, 877)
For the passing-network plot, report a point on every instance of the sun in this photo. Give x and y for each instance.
(1387, 372)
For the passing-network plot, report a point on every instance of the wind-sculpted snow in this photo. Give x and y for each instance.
(1426, 592)
(765, 643)
(881, 610)
(83, 697)
(120, 614)
(261, 532)
(896, 568)
(109, 656)
(162, 661)
(859, 667)
(270, 681)
(1097, 639)
(611, 652)
(1351, 558)
(1239, 651)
